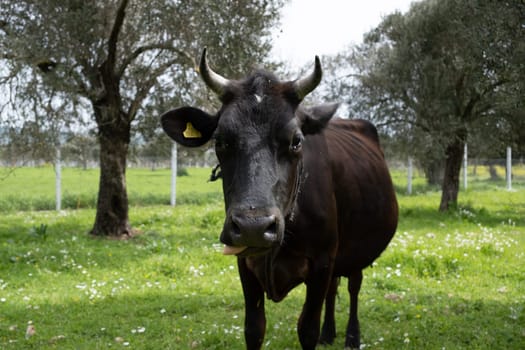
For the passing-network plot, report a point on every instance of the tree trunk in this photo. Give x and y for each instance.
(493, 172)
(453, 160)
(112, 203)
(433, 169)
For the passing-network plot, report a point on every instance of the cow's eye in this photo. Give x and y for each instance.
(296, 144)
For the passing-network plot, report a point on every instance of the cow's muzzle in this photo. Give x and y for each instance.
(252, 231)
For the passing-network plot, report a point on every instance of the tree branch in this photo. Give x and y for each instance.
(467, 114)
(115, 31)
(142, 49)
(82, 88)
(146, 86)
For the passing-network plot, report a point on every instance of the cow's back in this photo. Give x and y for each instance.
(366, 203)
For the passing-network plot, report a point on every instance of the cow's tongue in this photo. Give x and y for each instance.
(229, 250)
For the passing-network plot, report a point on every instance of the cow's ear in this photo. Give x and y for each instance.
(315, 119)
(189, 126)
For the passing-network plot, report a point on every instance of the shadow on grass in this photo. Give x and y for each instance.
(465, 211)
(160, 320)
(418, 188)
(437, 321)
(144, 321)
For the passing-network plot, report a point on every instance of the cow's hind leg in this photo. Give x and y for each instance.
(352, 331)
(328, 329)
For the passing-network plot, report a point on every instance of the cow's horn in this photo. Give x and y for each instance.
(306, 85)
(213, 80)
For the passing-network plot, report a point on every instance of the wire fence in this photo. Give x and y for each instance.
(478, 169)
(498, 172)
(134, 162)
(408, 177)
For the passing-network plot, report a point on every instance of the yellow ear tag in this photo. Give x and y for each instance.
(191, 132)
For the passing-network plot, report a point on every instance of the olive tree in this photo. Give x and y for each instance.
(117, 57)
(434, 75)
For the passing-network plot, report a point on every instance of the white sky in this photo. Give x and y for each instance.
(325, 27)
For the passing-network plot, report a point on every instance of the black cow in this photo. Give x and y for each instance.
(307, 199)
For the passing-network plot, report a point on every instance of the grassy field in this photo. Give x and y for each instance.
(34, 188)
(447, 281)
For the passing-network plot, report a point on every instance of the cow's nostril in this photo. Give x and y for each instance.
(235, 229)
(254, 230)
(271, 232)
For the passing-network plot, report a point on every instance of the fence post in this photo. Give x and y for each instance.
(58, 180)
(409, 176)
(508, 169)
(173, 198)
(465, 166)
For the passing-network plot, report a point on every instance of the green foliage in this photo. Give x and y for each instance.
(441, 75)
(443, 66)
(449, 280)
(145, 50)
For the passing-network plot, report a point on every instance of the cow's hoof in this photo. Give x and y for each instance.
(352, 343)
(326, 341)
(327, 337)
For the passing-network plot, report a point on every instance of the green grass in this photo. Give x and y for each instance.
(448, 281)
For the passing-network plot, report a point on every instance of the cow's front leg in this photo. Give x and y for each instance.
(254, 318)
(309, 323)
